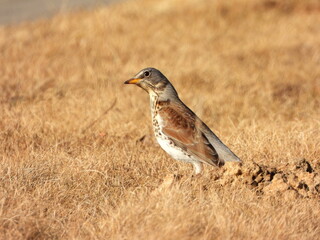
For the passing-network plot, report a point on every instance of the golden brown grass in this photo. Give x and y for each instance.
(249, 69)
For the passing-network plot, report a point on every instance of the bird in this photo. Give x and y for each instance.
(178, 130)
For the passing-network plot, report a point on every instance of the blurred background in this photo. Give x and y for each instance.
(15, 11)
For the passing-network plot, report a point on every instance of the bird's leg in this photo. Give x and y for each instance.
(197, 167)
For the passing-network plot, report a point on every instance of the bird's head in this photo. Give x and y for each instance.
(152, 81)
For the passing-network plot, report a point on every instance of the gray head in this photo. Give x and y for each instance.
(152, 81)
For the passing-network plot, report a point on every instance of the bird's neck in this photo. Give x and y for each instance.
(154, 98)
(163, 97)
(164, 94)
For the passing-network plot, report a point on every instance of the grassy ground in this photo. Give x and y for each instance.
(249, 69)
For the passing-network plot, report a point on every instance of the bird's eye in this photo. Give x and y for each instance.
(146, 74)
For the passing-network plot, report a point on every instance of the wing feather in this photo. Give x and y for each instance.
(182, 127)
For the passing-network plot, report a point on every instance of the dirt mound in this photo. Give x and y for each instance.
(298, 179)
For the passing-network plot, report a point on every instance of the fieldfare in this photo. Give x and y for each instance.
(178, 130)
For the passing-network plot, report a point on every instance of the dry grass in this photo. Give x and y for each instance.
(250, 69)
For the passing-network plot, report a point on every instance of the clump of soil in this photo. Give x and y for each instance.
(298, 179)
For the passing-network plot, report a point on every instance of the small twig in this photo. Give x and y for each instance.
(101, 116)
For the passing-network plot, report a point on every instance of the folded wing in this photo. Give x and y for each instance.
(182, 127)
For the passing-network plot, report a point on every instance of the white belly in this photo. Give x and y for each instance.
(173, 151)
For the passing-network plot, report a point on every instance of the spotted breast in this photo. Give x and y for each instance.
(166, 143)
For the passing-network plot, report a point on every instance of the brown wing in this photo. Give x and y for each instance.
(180, 127)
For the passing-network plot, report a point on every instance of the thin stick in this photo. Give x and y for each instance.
(101, 116)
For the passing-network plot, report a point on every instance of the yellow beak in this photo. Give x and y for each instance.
(132, 81)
